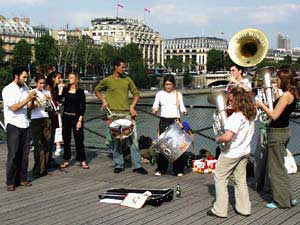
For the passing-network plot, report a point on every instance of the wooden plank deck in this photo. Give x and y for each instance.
(70, 196)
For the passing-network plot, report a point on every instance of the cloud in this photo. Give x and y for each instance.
(80, 18)
(171, 14)
(26, 2)
(274, 13)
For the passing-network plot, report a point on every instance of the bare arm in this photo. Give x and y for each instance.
(227, 137)
(284, 100)
(19, 105)
(101, 97)
(133, 104)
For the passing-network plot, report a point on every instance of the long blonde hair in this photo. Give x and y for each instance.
(77, 79)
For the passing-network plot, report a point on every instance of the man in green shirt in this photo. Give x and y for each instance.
(116, 89)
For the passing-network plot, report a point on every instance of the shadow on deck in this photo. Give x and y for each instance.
(70, 196)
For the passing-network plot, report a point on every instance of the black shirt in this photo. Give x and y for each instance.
(283, 119)
(73, 102)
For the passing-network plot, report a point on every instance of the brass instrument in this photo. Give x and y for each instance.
(248, 47)
(219, 99)
(47, 104)
(265, 94)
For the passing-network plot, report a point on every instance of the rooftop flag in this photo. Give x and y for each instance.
(147, 10)
(120, 5)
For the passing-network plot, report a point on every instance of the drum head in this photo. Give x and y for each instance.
(120, 122)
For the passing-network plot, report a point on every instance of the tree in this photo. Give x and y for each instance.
(109, 53)
(227, 62)
(131, 53)
(6, 78)
(83, 52)
(286, 62)
(45, 52)
(215, 60)
(138, 72)
(174, 63)
(2, 52)
(22, 54)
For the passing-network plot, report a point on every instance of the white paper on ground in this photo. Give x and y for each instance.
(110, 200)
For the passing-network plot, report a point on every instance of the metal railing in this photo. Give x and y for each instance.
(199, 118)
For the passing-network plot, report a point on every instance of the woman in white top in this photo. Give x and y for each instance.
(233, 159)
(171, 103)
(41, 130)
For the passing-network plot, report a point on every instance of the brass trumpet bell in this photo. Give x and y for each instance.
(248, 47)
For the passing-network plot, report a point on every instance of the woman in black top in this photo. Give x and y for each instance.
(278, 137)
(72, 120)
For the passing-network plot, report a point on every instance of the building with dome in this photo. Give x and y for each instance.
(121, 31)
(14, 30)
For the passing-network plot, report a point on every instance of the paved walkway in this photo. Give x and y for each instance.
(70, 196)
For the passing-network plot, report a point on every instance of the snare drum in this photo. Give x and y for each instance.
(121, 128)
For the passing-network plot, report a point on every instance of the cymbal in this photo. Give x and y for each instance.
(212, 98)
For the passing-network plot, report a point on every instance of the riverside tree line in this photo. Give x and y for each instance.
(87, 59)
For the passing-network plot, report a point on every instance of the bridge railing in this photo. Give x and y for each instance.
(199, 118)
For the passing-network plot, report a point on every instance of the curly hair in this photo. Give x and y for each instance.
(244, 102)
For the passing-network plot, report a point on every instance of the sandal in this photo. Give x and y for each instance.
(64, 165)
(84, 165)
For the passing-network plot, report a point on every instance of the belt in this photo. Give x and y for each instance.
(71, 114)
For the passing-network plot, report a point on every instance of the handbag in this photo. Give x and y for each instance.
(290, 163)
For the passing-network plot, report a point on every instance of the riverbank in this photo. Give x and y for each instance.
(151, 94)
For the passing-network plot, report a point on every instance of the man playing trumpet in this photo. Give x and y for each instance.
(15, 100)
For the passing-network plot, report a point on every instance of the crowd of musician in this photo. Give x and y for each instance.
(35, 113)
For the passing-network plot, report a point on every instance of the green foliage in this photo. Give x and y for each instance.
(2, 52)
(286, 62)
(22, 54)
(5, 78)
(187, 79)
(227, 62)
(138, 72)
(131, 53)
(45, 52)
(174, 63)
(215, 60)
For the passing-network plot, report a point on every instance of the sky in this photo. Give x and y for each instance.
(171, 18)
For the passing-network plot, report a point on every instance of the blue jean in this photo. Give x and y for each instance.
(135, 153)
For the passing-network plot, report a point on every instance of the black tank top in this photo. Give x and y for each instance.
(283, 119)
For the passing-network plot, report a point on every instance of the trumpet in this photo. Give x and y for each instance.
(47, 103)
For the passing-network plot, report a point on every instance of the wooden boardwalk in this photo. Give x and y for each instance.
(70, 196)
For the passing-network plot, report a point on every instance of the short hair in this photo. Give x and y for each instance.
(238, 67)
(170, 78)
(18, 71)
(117, 61)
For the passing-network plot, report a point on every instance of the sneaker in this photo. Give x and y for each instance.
(271, 205)
(157, 173)
(59, 152)
(118, 170)
(294, 202)
(140, 170)
(179, 174)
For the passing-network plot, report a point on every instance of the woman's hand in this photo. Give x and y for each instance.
(259, 104)
(78, 125)
(154, 111)
(185, 113)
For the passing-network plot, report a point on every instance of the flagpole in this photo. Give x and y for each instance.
(117, 10)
